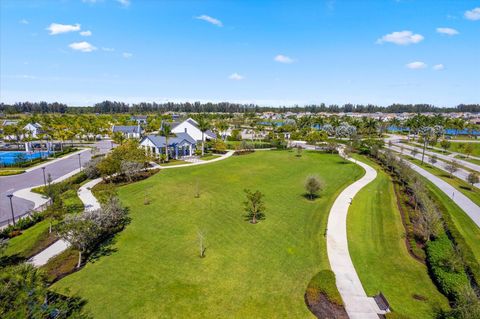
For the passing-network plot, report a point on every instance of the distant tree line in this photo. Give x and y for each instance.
(107, 107)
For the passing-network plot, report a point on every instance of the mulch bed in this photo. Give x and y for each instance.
(323, 308)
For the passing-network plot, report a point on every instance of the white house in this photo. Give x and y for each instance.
(181, 144)
(33, 129)
(129, 131)
(190, 126)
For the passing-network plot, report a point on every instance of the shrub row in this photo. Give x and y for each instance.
(463, 248)
(21, 224)
(243, 152)
(441, 258)
(412, 242)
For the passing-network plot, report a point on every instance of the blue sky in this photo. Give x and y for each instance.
(266, 52)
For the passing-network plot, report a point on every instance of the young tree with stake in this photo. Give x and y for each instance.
(254, 205)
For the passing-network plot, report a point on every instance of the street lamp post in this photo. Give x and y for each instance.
(11, 207)
(44, 179)
(79, 162)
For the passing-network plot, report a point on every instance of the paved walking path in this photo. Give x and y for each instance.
(91, 203)
(357, 304)
(34, 177)
(452, 153)
(469, 207)
(395, 139)
(460, 173)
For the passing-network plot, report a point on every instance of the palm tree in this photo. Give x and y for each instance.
(203, 126)
(222, 127)
(166, 131)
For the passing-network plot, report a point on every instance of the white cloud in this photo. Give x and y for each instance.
(211, 20)
(416, 65)
(473, 14)
(283, 59)
(82, 46)
(124, 3)
(127, 55)
(236, 77)
(401, 38)
(86, 33)
(438, 67)
(108, 49)
(23, 21)
(447, 31)
(56, 28)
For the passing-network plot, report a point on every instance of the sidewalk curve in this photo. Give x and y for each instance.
(357, 303)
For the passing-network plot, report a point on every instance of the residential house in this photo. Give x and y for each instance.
(140, 119)
(33, 129)
(179, 145)
(190, 126)
(129, 131)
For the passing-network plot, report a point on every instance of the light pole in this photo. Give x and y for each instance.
(11, 207)
(79, 163)
(44, 179)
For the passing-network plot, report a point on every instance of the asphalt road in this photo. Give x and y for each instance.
(10, 184)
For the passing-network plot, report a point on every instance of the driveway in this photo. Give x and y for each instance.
(34, 177)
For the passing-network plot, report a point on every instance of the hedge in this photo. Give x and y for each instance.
(21, 224)
(449, 281)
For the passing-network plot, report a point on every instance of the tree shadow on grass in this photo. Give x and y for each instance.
(104, 249)
(468, 188)
(311, 198)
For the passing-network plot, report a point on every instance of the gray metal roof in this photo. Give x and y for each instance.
(127, 129)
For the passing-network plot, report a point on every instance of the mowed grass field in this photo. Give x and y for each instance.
(376, 239)
(250, 271)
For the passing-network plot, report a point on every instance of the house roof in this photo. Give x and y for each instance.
(139, 117)
(194, 123)
(159, 141)
(127, 128)
(9, 122)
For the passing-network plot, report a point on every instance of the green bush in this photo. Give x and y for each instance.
(463, 248)
(21, 224)
(450, 281)
(324, 283)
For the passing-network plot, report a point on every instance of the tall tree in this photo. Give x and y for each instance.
(203, 126)
(166, 131)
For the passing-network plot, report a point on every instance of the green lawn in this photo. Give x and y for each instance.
(456, 147)
(250, 271)
(209, 157)
(31, 241)
(174, 162)
(376, 238)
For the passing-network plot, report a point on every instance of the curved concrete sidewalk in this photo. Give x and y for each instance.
(438, 155)
(440, 164)
(469, 207)
(90, 202)
(357, 303)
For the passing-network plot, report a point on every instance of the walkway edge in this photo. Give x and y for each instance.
(91, 203)
(357, 303)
